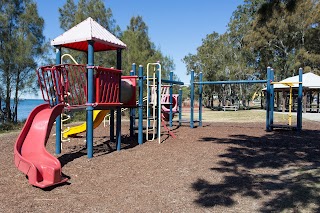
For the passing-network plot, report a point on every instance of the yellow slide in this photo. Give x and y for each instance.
(98, 116)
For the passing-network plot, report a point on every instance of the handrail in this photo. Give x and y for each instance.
(70, 56)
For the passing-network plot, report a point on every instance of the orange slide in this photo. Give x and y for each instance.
(30, 155)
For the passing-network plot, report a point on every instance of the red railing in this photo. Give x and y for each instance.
(75, 84)
(67, 84)
(107, 86)
(51, 88)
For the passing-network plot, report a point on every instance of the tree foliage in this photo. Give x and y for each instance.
(283, 34)
(140, 48)
(21, 43)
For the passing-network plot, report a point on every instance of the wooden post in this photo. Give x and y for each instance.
(278, 100)
(304, 101)
(284, 94)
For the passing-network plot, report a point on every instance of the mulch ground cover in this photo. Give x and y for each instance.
(220, 167)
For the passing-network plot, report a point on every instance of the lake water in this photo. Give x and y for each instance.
(26, 106)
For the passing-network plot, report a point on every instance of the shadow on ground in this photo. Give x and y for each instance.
(102, 146)
(283, 165)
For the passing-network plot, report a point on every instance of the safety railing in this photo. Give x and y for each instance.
(107, 86)
(67, 84)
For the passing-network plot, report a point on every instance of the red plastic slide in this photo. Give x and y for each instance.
(30, 154)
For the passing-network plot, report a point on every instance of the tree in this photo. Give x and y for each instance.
(283, 33)
(140, 48)
(22, 40)
(223, 57)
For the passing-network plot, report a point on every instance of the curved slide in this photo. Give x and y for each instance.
(30, 155)
(98, 116)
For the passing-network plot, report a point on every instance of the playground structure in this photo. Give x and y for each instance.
(160, 101)
(89, 87)
(269, 98)
(98, 90)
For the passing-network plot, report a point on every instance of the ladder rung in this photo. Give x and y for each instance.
(144, 128)
(142, 118)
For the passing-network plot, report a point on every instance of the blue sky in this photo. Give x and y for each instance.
(177, 27)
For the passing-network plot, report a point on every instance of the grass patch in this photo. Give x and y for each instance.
(235, 116)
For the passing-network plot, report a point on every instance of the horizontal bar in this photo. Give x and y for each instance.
(286, 82)
(233, 82)
(172, 82)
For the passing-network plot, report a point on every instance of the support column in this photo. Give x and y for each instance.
(171, 99)
(278, 101)
(310, 100)
(118, 127)
(304, 99)
(132, 110)
(180, 106)
(271, 98)
(112, 125)
(191, 99)
(140, 105)
(284, 95)
(58, 119)
(268, 128)
(90, 101)
(200, 100)
(299, 110)
(317, 101)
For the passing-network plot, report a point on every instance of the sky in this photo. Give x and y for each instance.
(177, 27)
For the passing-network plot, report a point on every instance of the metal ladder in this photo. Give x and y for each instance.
(153, 101)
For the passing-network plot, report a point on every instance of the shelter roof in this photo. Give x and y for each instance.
(309, 80)
(88, 30)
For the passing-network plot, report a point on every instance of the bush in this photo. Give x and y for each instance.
(9, 126)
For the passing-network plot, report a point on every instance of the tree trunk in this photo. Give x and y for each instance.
(8, 95)
(16, 98)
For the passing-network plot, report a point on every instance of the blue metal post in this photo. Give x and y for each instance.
(140, 122)
(132, 114)
(171, 99)
(191, 99)
(299, 110)
(90, 90)
(58, 119)
(268, 100)
(271, 99)
(112, 125)
(118, 128)
(200, 100)
(180, 106)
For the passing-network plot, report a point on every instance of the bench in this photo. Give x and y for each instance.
(234, 107)
(308, 109)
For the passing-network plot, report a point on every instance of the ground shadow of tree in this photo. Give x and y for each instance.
(282, 165)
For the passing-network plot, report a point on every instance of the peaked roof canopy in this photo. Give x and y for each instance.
(89, 30)
(309, 80)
